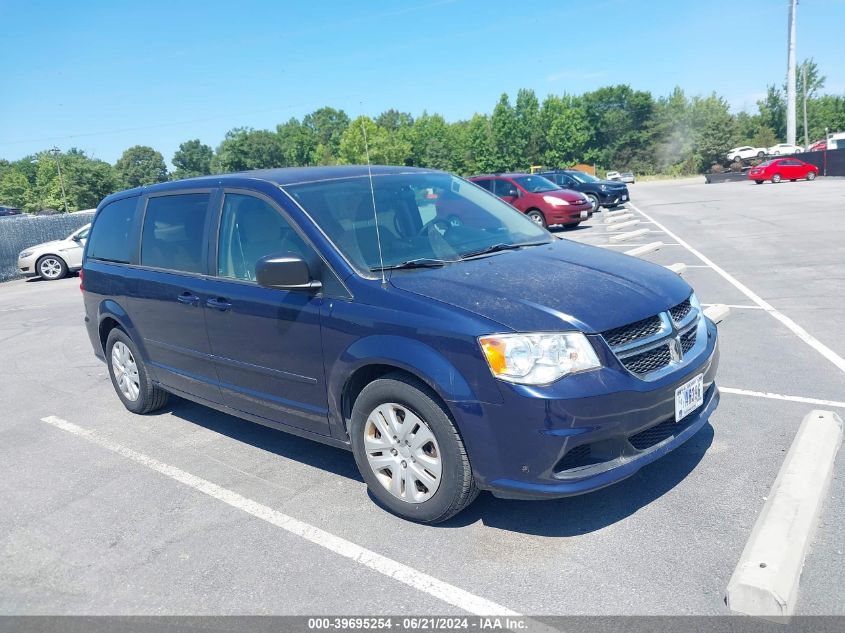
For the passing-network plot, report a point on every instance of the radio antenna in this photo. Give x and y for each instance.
(373, 196)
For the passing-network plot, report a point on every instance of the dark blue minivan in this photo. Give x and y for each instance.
(336, 303)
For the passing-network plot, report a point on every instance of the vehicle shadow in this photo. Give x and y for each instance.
(333, 460)
(573, 516)
(558, 517)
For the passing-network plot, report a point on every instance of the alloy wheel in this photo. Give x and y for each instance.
(50, 268)
(125, 371)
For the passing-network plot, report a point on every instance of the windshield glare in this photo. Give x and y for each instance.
(536, 184)
(428, 216)
(582, 177)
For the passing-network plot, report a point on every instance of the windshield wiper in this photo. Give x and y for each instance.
(495, 248)
(422, 262)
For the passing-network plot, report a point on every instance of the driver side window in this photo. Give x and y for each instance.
(251, 228)
(504, 188)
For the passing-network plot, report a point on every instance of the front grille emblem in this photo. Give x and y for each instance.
(676, 352)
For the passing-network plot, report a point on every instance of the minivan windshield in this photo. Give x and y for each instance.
(536, 184)
(420, 219)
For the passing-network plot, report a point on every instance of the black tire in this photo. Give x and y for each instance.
(811, 175)
(594, 200)
(537, 217)
(776, 178)
(737, 159)
(53, 263)
(150, 397)
(761, 154)
(457, 487)
(759, 182)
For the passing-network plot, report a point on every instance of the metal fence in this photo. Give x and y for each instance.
(17, 232)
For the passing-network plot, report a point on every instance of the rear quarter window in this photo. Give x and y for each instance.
(110, 237)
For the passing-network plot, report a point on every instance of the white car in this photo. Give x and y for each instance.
(745, 152)
(784, 148)
(612, 175)
(53, 260)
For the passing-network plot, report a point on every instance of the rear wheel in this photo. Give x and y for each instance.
(761, 154)
(409, 452)
(537, 217)
(776, 178)
(811, 175)
(51, 267)
(129, 375)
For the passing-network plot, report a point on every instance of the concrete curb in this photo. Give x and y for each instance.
(615, 214)
(645, 249)
(619, 218)
(717, 313)
(630, 235)
(765, 581)
(622, 225)
(678, 269)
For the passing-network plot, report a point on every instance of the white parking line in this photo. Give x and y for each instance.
(733, 305)
(800, 332)
(778, 396)
(413, 578)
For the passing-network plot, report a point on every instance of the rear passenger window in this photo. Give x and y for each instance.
(110, 237)
(173, 234)
(250, 229)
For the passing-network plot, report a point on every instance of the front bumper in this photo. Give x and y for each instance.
(26, 266)
(584, 432)
(614, 197)
(571, 214)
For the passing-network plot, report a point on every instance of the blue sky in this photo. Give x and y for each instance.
(103, 76)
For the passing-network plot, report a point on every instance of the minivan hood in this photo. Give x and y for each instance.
(563, 285)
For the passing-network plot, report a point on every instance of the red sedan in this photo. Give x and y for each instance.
(783, 169)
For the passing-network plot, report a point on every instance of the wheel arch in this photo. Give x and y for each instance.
(110, 315)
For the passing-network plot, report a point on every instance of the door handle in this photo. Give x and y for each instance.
(218, 304)
(188, 299)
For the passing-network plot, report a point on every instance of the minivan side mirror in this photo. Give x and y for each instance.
(285, 272)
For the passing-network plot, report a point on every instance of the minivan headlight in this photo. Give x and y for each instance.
(556, 202)
(538, 358)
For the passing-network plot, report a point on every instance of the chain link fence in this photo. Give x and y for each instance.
(18, 232)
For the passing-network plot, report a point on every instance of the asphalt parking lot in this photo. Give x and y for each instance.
(105, 512)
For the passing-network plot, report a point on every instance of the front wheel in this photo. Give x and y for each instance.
(51, 267)
(761, 154)
(811, 175)
(409, 452)
(537, 217)
(759, 182)
(776, 178)
(594, 201)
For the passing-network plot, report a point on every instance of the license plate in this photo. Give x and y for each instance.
(624, 198)
(688, 397)
(584, 215)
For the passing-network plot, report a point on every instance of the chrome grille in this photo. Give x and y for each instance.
(688, 340)
(648, 361)
(650, 347)
(680, 311)
(629, 333)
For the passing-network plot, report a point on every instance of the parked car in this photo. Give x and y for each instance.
(627, 177)
(6, 211)
(818, 146)
(54, 260)
(613, 175)
(448, 359)
(601, 193)
(538, 198)
(745, 152)
(783, 169)
(784, 148)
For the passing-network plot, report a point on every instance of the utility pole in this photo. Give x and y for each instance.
(55, 152)
(790, 76)
(804, 82)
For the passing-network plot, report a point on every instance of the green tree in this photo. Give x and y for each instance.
(327, 125)
(506, 133)
(714, 130)
(243, 149)
(384, 149)
(529, 133)
(478, 147)
(16, 190)
(567, 132)
(297, 142)
(431, 142)
(393, 120)
(193, 158)
(622, 123)
(141, 165)
(772, 110)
